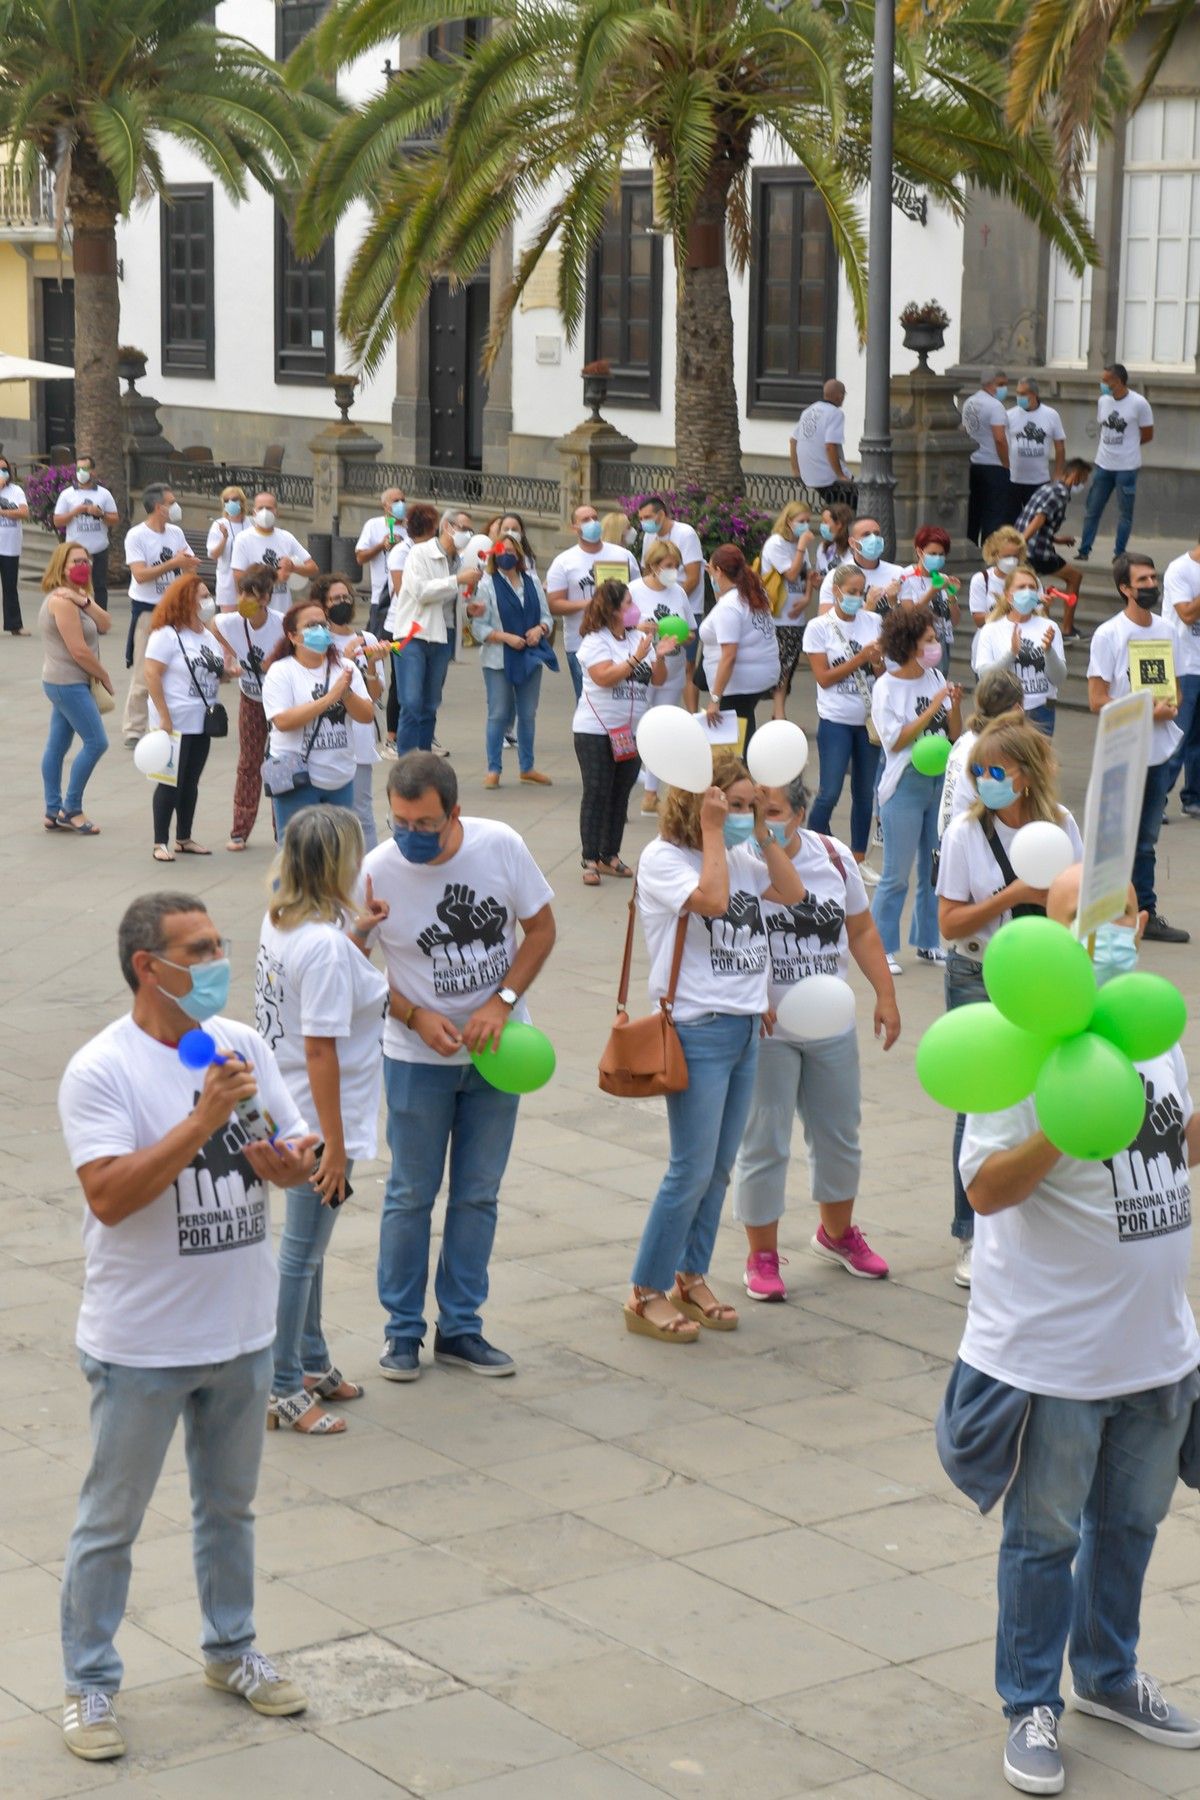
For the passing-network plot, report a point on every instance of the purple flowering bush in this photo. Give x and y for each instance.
(43, 488)
(717, 518)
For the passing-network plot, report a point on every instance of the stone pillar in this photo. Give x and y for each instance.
(145, 444)
(583, 451)
(339, 452)
(931, 452)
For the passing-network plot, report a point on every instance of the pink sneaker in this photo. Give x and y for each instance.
(852, 1251)
(762, 1280)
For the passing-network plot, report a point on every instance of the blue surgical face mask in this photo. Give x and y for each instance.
(1116, 951)
(233, 509)
(995, 794)
(209, 992)
(800, 526)
(589, 531)
(780, 832)
(1024, 401)
(399, 508)
(649, 528)
(1025, 601)
(826, 531)
(871, 546)
(317, 637)
(848, 603)
(935, 561)
(1104, 388)
(739, 829)
(417, 846)
(1002, 391)
(506, 561)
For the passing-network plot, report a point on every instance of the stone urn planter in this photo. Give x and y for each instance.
(595, 385)
(924, 329)
(131, 366)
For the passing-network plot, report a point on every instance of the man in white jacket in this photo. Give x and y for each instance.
(431, 578)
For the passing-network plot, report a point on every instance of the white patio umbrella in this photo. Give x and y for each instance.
(23, 368)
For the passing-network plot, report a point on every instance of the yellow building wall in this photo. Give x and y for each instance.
(14, 335)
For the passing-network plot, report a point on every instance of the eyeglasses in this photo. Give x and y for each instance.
(992, 769)
(224, 947)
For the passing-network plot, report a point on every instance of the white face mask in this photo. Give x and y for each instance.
(630, 537)
(461, 540)
(1006, 564)
(174, 512)
(264, 518)
(667, 577)
(207, 609)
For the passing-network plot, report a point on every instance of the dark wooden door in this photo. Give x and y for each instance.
(58, 346)
(457, 327)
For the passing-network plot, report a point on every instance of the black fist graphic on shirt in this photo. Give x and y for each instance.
(466, 948)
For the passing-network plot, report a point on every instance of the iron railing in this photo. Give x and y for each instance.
(208, 478)
(479, 487)
(619, 480)
(26, 207)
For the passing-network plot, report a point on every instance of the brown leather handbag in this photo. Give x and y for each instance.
(644, 1056)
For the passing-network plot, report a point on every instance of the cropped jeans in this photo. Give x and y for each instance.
(909, 818)
(841, 747)
(300, 1347)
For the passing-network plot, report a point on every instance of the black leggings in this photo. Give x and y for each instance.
(607, 785)
(743, 705)
(180, 800)
(9, 567)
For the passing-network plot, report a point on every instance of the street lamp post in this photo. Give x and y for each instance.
(877, 480)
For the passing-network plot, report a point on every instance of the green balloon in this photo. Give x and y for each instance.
(1143, 1015)
(522, 1061)
(1090, 1099)
(974, 1060)
(931, 753)
(674, 627)
(1040, 977)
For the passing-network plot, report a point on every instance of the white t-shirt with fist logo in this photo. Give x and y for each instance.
(332, 758)
(270, 547)
(145, 545)
(725, 964)
(810, 938)
(895, 703)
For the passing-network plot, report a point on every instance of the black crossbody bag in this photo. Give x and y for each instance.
(216, 719)
(1027, 909)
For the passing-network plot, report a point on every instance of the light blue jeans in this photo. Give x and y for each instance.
(432, 1109)
(364, 803)
(1094, 1482)
(1100, 488)
(286, 806)
(300, 1347)
(73, 713)
(576, 674)
(909, 835)
(706, 1122)
(503, 699)
(134, 1413)
(964, 987)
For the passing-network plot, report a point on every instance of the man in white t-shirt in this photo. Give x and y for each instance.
(1037, 445)
(1108, 679)
(816, 447)
(1079, 1368)
(1181, 611)
(1126, 424)
(377, 537)
(456, 890)
(156, 552)
(179, 1296)
(85, 513)
(986, 423)
(266, 542)
(659, 527)
(571, 579)
(866, 552)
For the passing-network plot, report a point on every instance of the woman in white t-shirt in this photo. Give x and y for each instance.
(184, 668)
(252, 633)
(1019, 636)
(1003, 551)
(700, 888)
(311, 696)
(620, 662)
(364, 650)
(923, 584)
(221, 535)
(1014, 781)
(842, 646)
(319, 1004)
(787, 554)
(832, 542)
(814, 1079)
(659, 594)
(737, 640)
(910, 700)
(997, 692)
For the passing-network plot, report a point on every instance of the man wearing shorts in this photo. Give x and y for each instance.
(1040, 524)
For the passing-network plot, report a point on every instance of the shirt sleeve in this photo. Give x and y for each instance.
(814, 641)
(241, 557)
(1072, 830)
(366, 535)
(1144, 414)
(726, 624)
(691, 549)
(325, 985)
(986, 1133)
(529, 888)
(1102, 662)
(835, 430)
(133, 546)
(95, 1112)
(776, 555)
(64, 503)
(889, 716)
(480, 629)
(214, 537)
(856, 891)
(398, 555)
(594, 649)
(954, 864)
(162, 645)
(666, 880)
(557, 577)
(296, 550)
(277, 689)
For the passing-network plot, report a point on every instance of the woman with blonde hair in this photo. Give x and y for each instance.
(1019, 636)
(659, 594)
(221, 534)
(319, 1004)
(786, 555)
(71, 626)
(618, 528)
(1014, 774)
(1004, 551)
(183, 675)
(701, 885)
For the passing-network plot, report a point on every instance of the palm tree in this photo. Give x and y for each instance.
(556, 98)
(92, 87)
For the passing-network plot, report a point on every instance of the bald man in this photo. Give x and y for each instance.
(816, 448)
(1079, 1304)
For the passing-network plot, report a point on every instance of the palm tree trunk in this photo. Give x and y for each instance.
(99, 424)
(707, 434)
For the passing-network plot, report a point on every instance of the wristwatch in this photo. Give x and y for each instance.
(509, 996)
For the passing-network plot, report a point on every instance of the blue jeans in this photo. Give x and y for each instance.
(964, 986)
(1043, 717)
(502, 699)
(364, 804)
(134, 1413)
(1094, 1481)
(432, 1109)
(576, 674)
(1187, 757)
(300, 1347)
(286, 806)
(843, 747)
(419, 672)
(73, 713)
(1154, 798)
(1100, 487)
(706, 1123)
(909, 835)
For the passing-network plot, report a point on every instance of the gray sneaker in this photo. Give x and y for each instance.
(89, 1726)
(1143, 1708)
(1032, 1760)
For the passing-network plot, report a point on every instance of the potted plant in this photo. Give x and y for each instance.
(595, 384)
(924, 323)
(343, 393)
(131, 364)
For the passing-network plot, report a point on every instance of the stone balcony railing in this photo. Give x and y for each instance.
(26, 206)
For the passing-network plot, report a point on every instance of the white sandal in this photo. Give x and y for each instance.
(292, 1410)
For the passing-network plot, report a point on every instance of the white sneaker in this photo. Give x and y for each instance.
(871, 877)
(895, 966)
(90, 1728)
(962, 1266)
(937, 957)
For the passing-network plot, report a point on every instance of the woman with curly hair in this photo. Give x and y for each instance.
(183, 670)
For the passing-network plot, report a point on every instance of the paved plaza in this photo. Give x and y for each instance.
(634, 1570)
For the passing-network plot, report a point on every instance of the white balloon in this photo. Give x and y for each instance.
(820, 1006)
(777, 754)
(297, 582)
(477, 551)
(152, 753)
(672, 744)
(1039, 852)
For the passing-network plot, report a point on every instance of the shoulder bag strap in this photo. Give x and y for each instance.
(1022, 910)
(306, 744)
(191, 671)
(860, 680)
(668, 999)
(832, 853)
